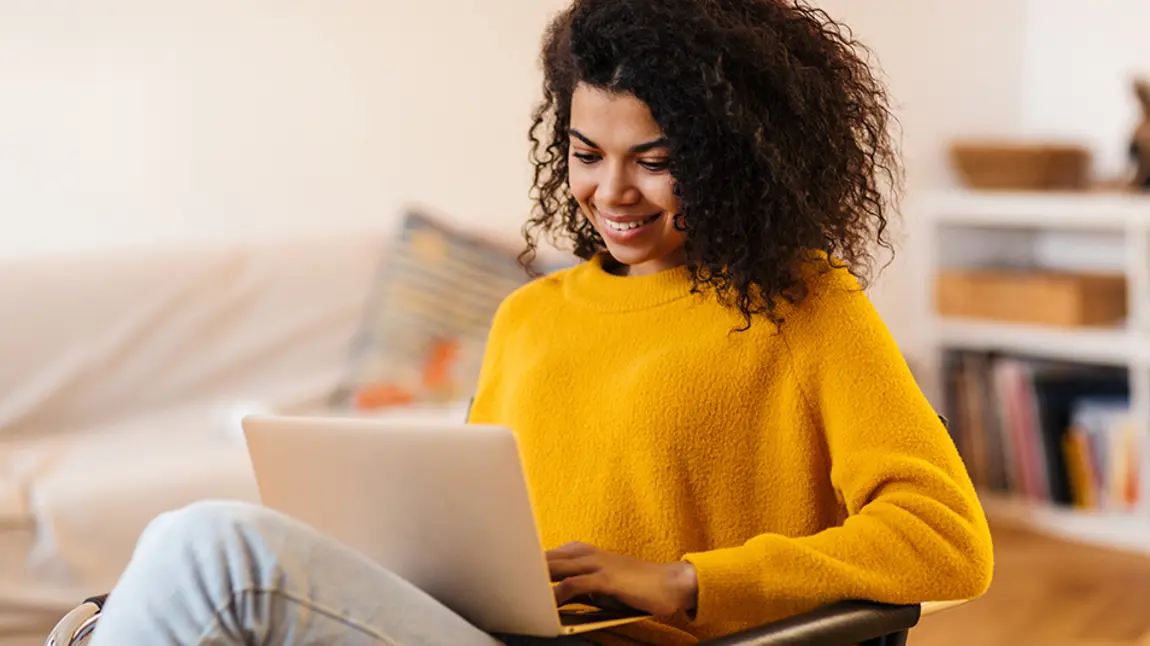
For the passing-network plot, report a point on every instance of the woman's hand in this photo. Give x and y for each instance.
(661, 589)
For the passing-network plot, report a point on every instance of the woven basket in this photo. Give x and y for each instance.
(1021, 166)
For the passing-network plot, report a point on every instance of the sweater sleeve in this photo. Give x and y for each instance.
(914, 529)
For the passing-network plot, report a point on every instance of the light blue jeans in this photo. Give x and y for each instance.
(229, 573)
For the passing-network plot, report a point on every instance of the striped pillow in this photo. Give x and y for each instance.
(430, 311)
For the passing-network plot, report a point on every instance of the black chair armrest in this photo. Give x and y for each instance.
(76, 626)
(835, 624)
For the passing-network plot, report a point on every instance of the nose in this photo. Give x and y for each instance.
(616, 187)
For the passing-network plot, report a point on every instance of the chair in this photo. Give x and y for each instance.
(838, 624)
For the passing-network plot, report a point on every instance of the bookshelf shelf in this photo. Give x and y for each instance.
(1105, 347)
(1119, 530)
(1014, 388)
(1007, 209)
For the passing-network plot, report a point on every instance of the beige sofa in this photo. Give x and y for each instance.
(122, 377)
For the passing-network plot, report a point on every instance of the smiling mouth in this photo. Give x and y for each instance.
(633, 224)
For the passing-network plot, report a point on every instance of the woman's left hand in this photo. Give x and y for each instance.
(661, 589)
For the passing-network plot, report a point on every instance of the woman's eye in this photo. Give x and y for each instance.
(586, 158)
(655, 165)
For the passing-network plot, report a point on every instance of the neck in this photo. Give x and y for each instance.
(673, 260)
(597, 284)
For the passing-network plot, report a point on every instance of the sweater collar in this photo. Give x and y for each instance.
(591, 284)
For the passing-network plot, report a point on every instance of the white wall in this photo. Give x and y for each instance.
(129, 121)
(1017, 69)
(1079, 60)
(951, 72)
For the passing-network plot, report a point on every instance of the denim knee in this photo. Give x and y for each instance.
(204, 522)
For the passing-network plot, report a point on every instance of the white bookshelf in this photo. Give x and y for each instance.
(1128, 532)
(1082, 211)
(973, 226)
(1104, 347)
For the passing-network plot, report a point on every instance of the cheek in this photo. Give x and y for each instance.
(582, 184)
(661, 191)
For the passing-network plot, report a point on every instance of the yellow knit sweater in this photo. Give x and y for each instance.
(792, 465)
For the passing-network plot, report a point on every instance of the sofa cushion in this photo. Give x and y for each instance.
(103, 336)
(92, 493)
(89, 495)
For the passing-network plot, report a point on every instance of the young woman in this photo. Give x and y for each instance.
(716, 426)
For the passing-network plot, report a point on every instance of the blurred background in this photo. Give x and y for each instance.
(210, 208)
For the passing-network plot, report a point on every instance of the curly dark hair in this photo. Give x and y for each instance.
(777, 129)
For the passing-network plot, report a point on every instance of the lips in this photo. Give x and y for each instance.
(627, 230)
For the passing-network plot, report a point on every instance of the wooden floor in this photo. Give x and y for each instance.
(1046, 592)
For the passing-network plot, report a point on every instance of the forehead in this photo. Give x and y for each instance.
(611, 119)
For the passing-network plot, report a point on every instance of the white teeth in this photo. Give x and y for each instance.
(623, 226)
(627, 226)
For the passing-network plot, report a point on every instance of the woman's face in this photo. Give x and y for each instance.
(618, 174)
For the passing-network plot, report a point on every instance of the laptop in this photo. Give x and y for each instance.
(444, 506)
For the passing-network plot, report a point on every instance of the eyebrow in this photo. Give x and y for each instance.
(661, 142)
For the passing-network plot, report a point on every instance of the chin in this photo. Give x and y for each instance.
(644, 261)
(631, 257)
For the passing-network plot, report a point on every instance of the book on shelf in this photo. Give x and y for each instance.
(1045, 431)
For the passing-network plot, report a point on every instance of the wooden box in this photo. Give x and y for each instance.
(1016, 166)
(1067, 299)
